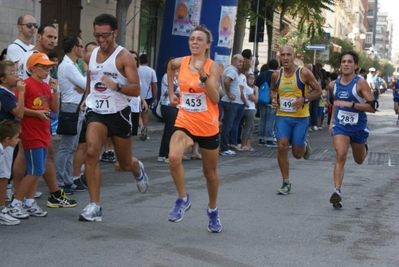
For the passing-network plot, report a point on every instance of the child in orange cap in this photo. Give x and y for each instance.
(35, 134)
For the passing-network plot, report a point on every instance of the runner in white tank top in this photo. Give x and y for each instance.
(101, 99)
(112, 79)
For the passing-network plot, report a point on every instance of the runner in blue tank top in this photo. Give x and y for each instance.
(396, 100)
(353, 99)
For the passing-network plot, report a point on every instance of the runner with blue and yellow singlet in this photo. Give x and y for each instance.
(291, 90)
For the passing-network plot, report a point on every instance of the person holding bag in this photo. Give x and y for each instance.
(267, 113)
(72, 84)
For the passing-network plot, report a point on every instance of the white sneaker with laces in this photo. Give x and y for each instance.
(35, 210)
(92, 213)
(38, 194)
(142, 182)
(17, 211)
(6, 219)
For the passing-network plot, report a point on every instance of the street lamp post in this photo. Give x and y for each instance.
(355, 35)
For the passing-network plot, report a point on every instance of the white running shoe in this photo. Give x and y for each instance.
(35, 210)
(17, 211)
(142, 182)
(92, 213)
(6, 219)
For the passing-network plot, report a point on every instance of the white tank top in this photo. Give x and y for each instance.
(103, 100)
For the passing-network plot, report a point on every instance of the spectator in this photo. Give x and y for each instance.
(54, 57)
(45, 41)
(149, 91)
(26, 27)
(169, 113)
(235, 131)
(376, 85)
(251, 97)
(3, 55)
(11, 108)
(230, 101)
(267, 115)
(70, 77)
(35, 134)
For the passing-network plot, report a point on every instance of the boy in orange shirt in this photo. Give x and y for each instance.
(35, 134)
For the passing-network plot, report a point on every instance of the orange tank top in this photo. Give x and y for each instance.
(197, 113)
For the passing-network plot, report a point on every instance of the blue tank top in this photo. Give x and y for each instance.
(396, 94)
(349, 119)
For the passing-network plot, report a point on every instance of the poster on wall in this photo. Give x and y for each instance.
(222, 60)
(226, 26)
(186, 16)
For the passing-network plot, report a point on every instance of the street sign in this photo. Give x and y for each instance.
(315, 47)
(324, 55)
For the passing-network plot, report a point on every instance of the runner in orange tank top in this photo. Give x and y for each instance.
(197, 121)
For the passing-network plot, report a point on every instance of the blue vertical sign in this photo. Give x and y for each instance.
(173, 45)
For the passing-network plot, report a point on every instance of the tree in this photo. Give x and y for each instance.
(386, 68)
(121, 12)
(308, 11)
(243, 10)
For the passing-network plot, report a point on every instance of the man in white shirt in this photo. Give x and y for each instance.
(149, 91)
(370, 77)
(71, 82)
(27, 27)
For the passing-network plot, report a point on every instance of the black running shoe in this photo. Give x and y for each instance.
(336, 199)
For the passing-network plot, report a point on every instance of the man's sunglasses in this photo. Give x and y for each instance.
(30, 25)
(103, 35)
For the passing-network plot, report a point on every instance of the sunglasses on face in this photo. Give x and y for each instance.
(30, 25)
(103, 35)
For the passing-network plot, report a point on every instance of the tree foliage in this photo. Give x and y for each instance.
(121, 11)
(309, 13)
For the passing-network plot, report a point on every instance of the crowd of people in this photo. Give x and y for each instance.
(210, 109)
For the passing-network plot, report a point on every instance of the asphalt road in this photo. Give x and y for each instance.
(260, 228)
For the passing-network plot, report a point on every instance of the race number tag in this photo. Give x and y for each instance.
(286, 104)
(346, 117)
(194, 102)
(103, 103)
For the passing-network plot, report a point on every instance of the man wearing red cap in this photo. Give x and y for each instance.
(35, 134)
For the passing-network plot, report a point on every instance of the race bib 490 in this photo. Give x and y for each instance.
(286, 104)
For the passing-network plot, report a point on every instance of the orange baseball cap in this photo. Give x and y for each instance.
(39, 58)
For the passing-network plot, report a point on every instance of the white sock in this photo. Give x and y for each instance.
(184, 199)
(29, 202)
(210, 210)
(76, 177)
(15, 202)
(141, 176)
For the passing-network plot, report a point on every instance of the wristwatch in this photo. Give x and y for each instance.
(203, 79)
(305, 100)
(118, 87)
